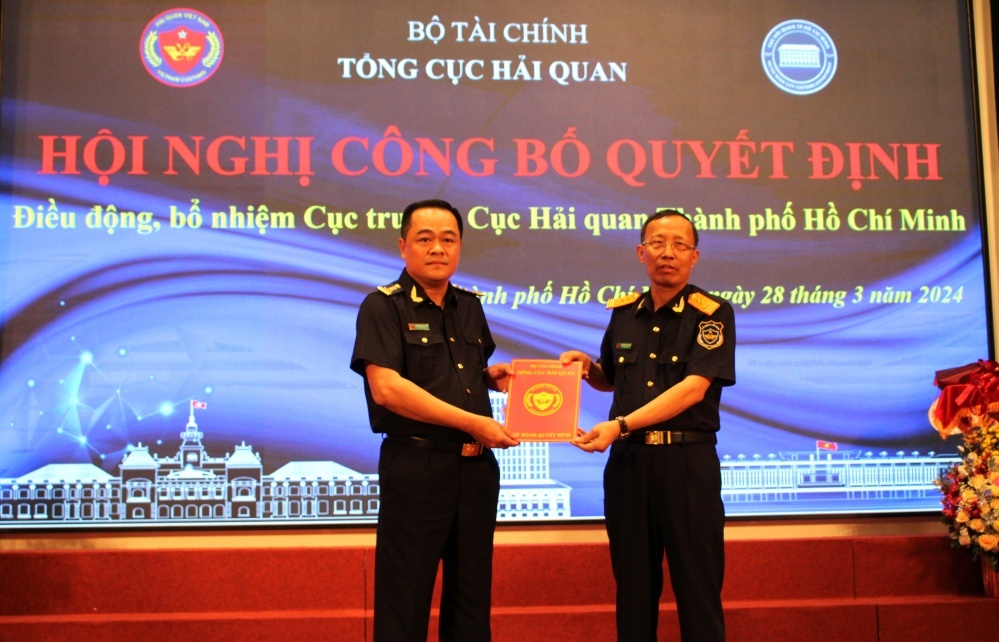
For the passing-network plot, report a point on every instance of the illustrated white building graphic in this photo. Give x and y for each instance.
(190, 486)
(804, 56)
(193, 486)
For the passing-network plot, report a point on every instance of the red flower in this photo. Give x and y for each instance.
(967, 395)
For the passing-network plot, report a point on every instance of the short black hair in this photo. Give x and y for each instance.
(669, 212)
(433, 203)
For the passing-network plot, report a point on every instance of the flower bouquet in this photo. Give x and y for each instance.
(968, 404)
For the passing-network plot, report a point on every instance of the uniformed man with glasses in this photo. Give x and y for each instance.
(666, 355)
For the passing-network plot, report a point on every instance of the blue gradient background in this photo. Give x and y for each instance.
(107, 337)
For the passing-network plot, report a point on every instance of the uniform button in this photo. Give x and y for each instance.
(652, 355)
(675, 358)
(424, 339)
(620, 359)
(650, 384)
(460, 367)
(451, 339)
(655, 329)
(468, 390)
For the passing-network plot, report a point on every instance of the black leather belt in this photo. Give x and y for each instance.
(673, 437)
(472, 449)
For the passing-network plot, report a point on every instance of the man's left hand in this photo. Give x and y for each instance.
(599, 438)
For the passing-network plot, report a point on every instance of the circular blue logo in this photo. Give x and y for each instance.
(181, 47)
(799, 57)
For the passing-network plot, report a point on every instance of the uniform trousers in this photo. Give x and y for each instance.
(666, 498)
(435, 507)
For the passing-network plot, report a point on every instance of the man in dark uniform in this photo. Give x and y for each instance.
(666, 355)
(423, 347)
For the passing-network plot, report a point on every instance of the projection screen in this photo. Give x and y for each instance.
(197, 197)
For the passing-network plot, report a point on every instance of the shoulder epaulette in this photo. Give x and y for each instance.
(703, 303)
(624, 300)
(389, 290)
(467, 291)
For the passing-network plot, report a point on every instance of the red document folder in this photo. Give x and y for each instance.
(543, 401)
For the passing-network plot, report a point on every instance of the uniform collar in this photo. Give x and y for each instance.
(675, 306)
(679, 303)
(415, 293)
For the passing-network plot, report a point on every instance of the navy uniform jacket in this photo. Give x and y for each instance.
(442, 350)
(645, 352)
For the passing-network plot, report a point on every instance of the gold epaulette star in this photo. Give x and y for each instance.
(389, 290)
(458, 287)
(703, 303)
(624, 300)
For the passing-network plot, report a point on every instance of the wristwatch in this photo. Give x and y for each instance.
(623, 425)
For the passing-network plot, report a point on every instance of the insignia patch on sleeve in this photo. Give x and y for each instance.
(711, 334)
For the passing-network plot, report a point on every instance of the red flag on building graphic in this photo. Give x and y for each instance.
(826, 445)
(202, 405)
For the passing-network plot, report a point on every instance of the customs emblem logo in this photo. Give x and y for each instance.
(181, 47)
(799, 57)
(543, 399)
(710, 335)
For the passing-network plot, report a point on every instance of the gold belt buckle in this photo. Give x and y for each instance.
(654, 438)
(471, 450)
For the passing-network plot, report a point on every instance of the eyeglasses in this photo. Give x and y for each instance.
(658, 246)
